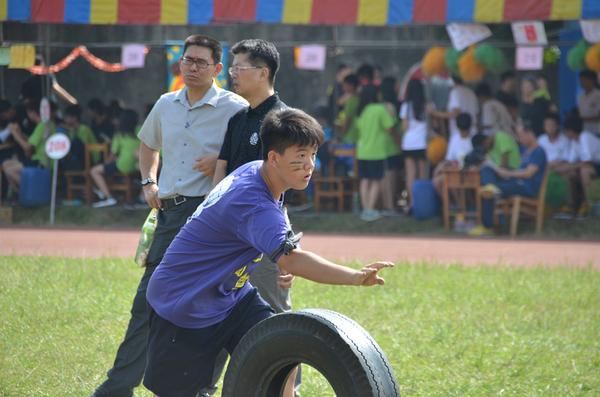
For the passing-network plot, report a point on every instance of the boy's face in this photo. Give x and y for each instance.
(586, 83)
(296, 165)
(550, 127)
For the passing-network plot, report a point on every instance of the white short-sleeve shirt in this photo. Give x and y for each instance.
(185, 133)
(557, 150)
(586, 149)
(589, 106)
(458, 148)
(463, 98)
(415, 137)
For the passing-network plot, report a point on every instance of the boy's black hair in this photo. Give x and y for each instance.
(574, 124)
(352, 80)
(483, 89)
(369, 94)
(588, 74)
(509, 74)
(128, 121)
(366, 71)
(260, 53)
(284, 128)
(97, 106)
(478, 139)
(554, 117)
(463, 121)
(74, 110)
(207, 42)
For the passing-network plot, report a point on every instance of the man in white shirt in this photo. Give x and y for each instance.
(556, 145)
(584, 160)
(589, 102)
(494, 114)
(462, 99)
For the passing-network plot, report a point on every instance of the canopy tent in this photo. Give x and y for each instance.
(317, 12)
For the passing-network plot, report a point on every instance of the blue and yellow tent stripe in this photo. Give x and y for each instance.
(304, 12)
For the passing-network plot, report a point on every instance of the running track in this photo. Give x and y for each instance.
(87, 243)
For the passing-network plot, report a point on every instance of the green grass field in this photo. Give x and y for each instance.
(447, 330)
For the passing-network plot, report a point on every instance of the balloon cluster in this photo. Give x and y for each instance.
(584, 56)
(469, 64)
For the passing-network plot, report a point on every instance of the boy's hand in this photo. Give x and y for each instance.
(367, 276)
(285, 280)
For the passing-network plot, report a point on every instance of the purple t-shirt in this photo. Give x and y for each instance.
(205, 270)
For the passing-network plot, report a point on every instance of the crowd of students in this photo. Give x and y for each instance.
(390, 135)
(23, 136)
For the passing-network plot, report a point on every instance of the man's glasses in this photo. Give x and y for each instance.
(237, 69)
(201, 63)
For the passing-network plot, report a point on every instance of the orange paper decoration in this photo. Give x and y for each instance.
(470, 70)
(434, 61)
(592, 58)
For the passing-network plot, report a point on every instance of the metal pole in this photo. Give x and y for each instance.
(53, 198)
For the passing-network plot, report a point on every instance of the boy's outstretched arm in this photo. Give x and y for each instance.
(312, 267)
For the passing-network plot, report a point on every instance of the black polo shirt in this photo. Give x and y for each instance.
(242, 143)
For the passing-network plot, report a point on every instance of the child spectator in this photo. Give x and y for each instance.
(101, 126)
(349, 132)
(541, 85)
(534, 109)
(458, 147)
(501, 148)
(122, 157)
(393, 162)
(589, 102)
(556, 145)
(584, 160)
(414, 138)
(375, 125)
(79, 134)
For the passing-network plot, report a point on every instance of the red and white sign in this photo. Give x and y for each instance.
(57, 146)
(529, 58)
(532, 32)
(463, 35)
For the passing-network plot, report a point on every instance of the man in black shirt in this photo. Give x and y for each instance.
(253, 71)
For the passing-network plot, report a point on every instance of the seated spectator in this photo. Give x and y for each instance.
(589, 102)
(502, 182)
(349, 132)
(122, 158)
(494, 114)
(556, 145)
(375, 125)
(7, 143)
(34, 147)
(501, 148)
(458, 147)
(101, 126)
(79, 134)
(584, 161)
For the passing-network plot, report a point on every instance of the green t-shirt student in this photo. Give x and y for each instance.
(124, 146)
(504, 143)
(85, 135)
(37, 141)
(350, 109)
(373, 123)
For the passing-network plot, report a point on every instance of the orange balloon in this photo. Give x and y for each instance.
(470, 70)
(434, 61)
(592, 58)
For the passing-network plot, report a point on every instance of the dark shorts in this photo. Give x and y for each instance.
(416, 154)
(181, 360)
(395, 162)
(370, 169)
(110, 168)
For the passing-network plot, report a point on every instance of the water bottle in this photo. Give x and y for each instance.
(355, 203)
(146, 237)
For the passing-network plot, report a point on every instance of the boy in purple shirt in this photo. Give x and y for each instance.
(199, 297)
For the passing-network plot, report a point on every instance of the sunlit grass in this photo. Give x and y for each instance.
(446, 330)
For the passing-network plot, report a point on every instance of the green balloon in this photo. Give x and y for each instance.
(452, 57)
(576, 55)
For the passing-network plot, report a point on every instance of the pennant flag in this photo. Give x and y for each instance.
(4, 55)
(22, 56)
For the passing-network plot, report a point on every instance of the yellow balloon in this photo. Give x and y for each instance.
(434, 61)
(436, 149)
(592, 58)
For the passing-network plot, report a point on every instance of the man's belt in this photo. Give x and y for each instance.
(175, 201)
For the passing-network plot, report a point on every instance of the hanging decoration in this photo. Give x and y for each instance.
(85, 53)
(489, 57)
(470, 70)
(592, 57)
(434, 61)
(551, 55)
(576, 55)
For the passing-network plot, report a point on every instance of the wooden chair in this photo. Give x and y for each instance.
(81, 180)
(513, 206)
(340, 188)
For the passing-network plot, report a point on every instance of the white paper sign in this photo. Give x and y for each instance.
(529, 58)
(312, 57)
(463, 35)
(590, 28)
(57, 146)
(133, 56)
(45, 110)
(531, 32)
